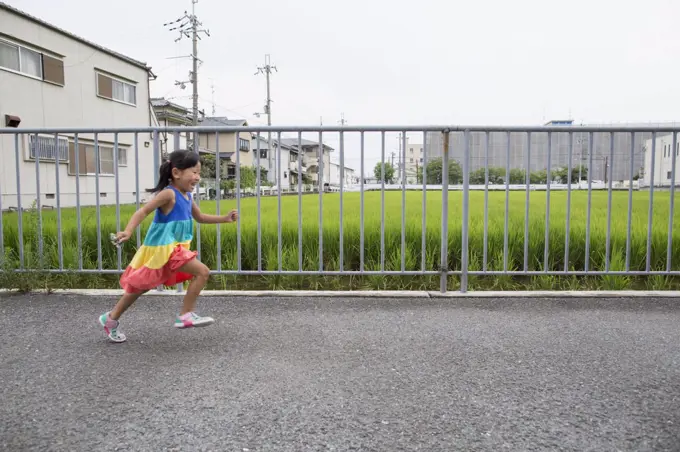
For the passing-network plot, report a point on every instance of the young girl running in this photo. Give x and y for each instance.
(165, 257)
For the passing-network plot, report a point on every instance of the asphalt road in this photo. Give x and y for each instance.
(342, 374)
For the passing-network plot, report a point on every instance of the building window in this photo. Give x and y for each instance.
(243, 144)
(45, 148)
(87, 161)
(668, 175)
(117, 90)
(263, 153)
(20, 59)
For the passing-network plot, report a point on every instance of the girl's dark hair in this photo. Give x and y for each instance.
(180, 159)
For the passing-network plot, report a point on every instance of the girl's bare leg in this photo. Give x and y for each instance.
(201, 274)
(124, 303)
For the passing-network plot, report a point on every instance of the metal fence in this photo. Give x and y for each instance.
(78, 168)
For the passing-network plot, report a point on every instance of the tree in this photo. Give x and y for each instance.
(389, 172)
(496, 176)
(208, 166)
(562, 174)
(517, 176)
(434, 172)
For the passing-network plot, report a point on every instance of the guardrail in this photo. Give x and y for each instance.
(487, 166)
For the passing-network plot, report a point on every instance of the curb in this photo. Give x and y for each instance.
(372, 293)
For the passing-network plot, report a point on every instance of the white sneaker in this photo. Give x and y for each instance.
(191, 319)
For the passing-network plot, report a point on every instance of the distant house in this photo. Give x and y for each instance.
(170, 114)
(52, 78)
(227, 143)
(290, 170)
(311, 152)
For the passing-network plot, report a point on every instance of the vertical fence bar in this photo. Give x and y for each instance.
(669, 248)
(527, 181)
(485, 258)
(466, 213)
(194, 145)
(239, 258)
(76, 154)
(342, 183)
(629, 224)
(156, 155)
(382, 203)
(156, 169)
(218, 196)
(137, 200)
(546, 242)
(570, 170)
(361, 226)
(300, 156)
(403, 203)
(279, 251)
(116, 151)
(60, 240)
(321, 189)
(259, 189)
(176, 138)
(609, 172)
(423, 230)
(650, 212)
(36, 150)
(97, 159)
(444, 258)
(20, 210)
(591, 149)
(507, 205)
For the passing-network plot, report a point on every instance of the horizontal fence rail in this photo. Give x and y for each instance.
(432, 202)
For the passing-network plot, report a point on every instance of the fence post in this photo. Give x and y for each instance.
(466, 211)
(444, 264)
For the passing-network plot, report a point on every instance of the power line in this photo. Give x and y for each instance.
(188, 26)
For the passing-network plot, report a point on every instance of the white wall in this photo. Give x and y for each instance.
(663, 162)
(41, 104)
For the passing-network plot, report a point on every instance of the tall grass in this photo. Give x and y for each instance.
(372, 242)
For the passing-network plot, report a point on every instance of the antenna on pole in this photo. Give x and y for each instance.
(212, 87)
(342, 121)
(188, 26)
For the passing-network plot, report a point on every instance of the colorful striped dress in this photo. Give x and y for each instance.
(165, 249)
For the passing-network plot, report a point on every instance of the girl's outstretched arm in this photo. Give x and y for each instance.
(201, 217)
(161, 199)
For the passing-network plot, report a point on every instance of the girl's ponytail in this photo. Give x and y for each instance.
(164, 177)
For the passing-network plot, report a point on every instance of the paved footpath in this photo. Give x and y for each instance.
(292, 374)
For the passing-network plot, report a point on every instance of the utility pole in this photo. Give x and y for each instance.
(606, 168)
(342, 121)
(267, 70)
(188, 26)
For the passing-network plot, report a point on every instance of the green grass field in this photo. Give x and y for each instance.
(351, 234)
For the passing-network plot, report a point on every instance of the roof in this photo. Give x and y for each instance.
(305, 143)
(221, 121)
(264, 144)
(38, 21)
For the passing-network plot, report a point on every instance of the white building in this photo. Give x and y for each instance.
(663, 162)
(336, 175)
(51, 78)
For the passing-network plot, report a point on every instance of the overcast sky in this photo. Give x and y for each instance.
(518, 62)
